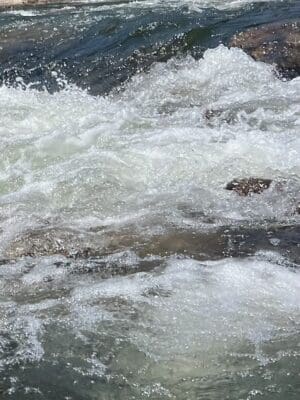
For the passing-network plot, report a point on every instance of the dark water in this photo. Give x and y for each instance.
(99, 47)
(127, 271)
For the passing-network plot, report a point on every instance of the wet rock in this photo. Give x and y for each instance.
(145, 253)
(212, 113)
(276, 43)
(43, 242)
(248, 186)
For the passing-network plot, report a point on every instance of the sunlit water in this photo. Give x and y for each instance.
(115, 225)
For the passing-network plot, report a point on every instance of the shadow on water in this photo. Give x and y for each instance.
(98, 49)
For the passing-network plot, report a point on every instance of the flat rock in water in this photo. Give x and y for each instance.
(276, 43)
(248, 186)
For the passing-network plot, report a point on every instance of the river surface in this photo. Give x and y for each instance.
(127, 271)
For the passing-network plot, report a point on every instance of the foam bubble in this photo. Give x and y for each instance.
(174, 137)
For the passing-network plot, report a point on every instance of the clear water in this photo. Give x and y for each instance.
(221, 329)
(127, 271)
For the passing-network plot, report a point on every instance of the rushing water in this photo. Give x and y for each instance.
(127, 271)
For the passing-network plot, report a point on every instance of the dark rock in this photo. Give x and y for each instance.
(212, 113)
(276, 43)
(248, 186)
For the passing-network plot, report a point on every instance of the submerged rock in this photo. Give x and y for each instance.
(248, 186)
(276, 43)
(142, 253)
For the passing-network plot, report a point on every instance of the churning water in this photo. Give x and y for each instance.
(127, 271)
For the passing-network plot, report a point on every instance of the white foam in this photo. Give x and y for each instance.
(192, 5)
(25, 331)
(187, 316)
(198, 311)
(149, 149)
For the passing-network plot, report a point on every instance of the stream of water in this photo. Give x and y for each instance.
(127, 271)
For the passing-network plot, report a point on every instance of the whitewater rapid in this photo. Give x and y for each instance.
(127, 270)
(191, 5)
(171, 139)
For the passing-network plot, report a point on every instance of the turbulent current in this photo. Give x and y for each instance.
(127, 271)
